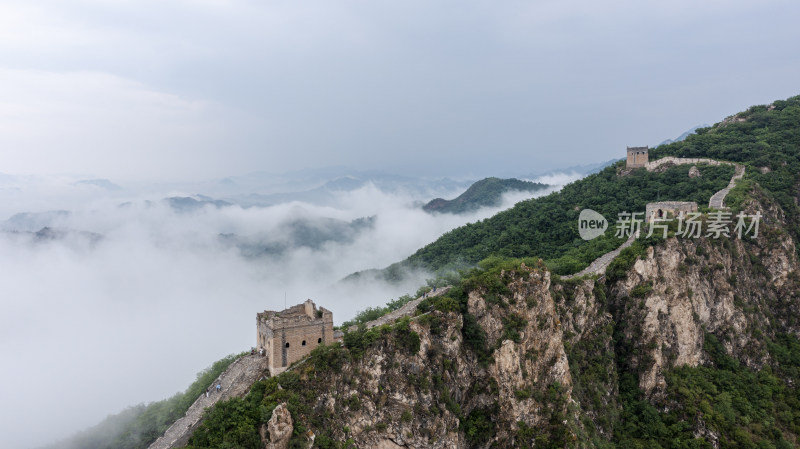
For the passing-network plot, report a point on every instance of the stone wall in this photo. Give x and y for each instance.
(290, 335)
(682, 160)
(667, 209)
(293, 342)
(637, 157)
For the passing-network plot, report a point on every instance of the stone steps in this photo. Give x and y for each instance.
(599, 265)
(236, 382)
(717, 200)
(406, 310)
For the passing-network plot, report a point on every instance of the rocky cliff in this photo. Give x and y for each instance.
(736, 289)
(516, 357)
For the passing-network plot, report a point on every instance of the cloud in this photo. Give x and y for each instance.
(558, 179)
(90, 122)
(135, 91)
(155, 89)
(91, 325)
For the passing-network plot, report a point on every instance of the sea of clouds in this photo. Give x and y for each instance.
(127, 298)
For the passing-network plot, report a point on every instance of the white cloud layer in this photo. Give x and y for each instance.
(146, 90)
(91, 326)
(188, 89)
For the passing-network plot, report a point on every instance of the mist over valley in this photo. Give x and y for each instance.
(108, 287)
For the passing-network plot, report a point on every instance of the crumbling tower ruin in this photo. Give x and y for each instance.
(289, 335)
(666, 210)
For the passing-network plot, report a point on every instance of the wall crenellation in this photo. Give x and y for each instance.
(291, 334)
(637, 157)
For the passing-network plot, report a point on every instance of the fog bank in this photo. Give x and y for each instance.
(124, 300)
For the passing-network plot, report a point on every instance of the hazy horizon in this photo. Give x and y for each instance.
(182, 91)
(127, 301)
(109, 106)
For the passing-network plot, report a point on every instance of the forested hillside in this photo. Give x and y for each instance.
(487, 192)
(764, 138)
(684, 343)
(697, 354)
(138, 426)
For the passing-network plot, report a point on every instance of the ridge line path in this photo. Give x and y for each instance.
(599, 265)
(716, 200)
(407, 309)
(235, 381)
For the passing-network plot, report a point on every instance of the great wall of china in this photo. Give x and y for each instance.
(717, 201)
(246, 370)
(234, 382)
(237, 379)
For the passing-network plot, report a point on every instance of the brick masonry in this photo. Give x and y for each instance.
(599, 265)
(637, 157)
(290, 335)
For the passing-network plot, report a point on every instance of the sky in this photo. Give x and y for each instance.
(155, 96)
(145, 91)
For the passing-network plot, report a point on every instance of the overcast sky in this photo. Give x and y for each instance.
(170, 91)
(198, 89)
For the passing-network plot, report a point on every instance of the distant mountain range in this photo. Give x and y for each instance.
(187, 203)
(101, 183)
(683, 136)
(584, 169)
(33, 221)
(321, 186)
(487, 192)
(312, 233)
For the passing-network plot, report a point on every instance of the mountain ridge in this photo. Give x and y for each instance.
(684, 343)
(487, 192)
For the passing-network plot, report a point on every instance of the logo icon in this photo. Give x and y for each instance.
(591, 224)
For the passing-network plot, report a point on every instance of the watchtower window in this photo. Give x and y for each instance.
(319, 340)
(304, 343)
(287, 344)
(660, 213)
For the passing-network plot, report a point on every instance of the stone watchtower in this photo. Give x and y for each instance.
(637, 157)
(289, 335)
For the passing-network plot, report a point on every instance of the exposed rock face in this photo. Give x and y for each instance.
(694, 172)
(537, 358)
(277, 432)
(433, 396)
(526, 355)
(685, 287)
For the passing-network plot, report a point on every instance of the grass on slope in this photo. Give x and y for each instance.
(547, 227)
(137, 427)
(764, 138)
(484, 193)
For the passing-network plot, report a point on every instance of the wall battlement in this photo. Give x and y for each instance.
(667, 209)
(637, 157)
(682, 160)
(291, 334)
